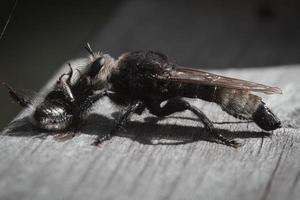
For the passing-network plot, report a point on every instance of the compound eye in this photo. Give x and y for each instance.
(96, 67)
(102, 61)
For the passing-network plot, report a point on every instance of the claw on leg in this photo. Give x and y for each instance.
(223, 140)
(100, 139)
(62, 137)
(70, 74)
(178, 105)
(22, 100)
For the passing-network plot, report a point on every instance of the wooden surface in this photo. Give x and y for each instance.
(35, 166)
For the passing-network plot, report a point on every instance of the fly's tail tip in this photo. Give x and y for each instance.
(266, 119)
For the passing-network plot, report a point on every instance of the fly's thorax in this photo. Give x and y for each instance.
(239, 103)
(123, 56)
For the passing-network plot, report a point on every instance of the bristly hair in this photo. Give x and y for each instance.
(93, 55)
(8, 19)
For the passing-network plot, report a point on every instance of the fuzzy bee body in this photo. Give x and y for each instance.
(52, 116)
(66, 105)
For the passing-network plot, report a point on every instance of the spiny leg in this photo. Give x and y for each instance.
(65, 85)
(22, 100)
(90, 100)
(209, 126)
(62, 137)
(70, 74)
(177, 105)
(121, 122)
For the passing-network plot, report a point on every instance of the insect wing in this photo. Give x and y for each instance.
(195, 76)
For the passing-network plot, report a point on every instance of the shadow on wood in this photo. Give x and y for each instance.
(144, 132)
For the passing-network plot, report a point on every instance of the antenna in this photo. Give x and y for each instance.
(8, 19)
(89, 49)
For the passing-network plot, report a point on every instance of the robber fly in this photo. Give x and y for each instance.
(145, 79)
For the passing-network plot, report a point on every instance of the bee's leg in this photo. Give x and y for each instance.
(101, 138)
(178, 105)
(70, 74)
(62, 137)
(90, 100)
(72, 131)
(65, 87)
(121, 122)
(22, 100)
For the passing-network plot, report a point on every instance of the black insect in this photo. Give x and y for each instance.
(65, 106)
(145, 79)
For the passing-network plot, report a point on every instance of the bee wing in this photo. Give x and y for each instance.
(195, 76)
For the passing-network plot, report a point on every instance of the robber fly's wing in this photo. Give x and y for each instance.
(195, 76)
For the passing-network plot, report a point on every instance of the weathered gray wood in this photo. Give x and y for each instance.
(123, 168)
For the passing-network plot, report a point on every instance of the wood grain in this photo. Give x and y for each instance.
(35, 166)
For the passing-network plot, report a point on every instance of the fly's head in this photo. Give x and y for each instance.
(100, 68)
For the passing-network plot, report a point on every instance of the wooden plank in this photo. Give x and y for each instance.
(123, 168)
(34, 167)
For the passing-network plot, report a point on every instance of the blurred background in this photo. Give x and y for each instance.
(211, 34)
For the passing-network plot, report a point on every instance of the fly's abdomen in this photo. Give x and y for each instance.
(244, 105)
(52, 116)
(238, 103)
(241, 104)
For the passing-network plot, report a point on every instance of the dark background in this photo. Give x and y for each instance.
(210, 34)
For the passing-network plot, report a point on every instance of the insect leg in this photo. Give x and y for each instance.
(209, 126)
(62, 137)
(172, 106)
(70, 74)
(90, 100)
(177, 105)
(22, 100)
(140, 109)
(65, 87)
(121, 122)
